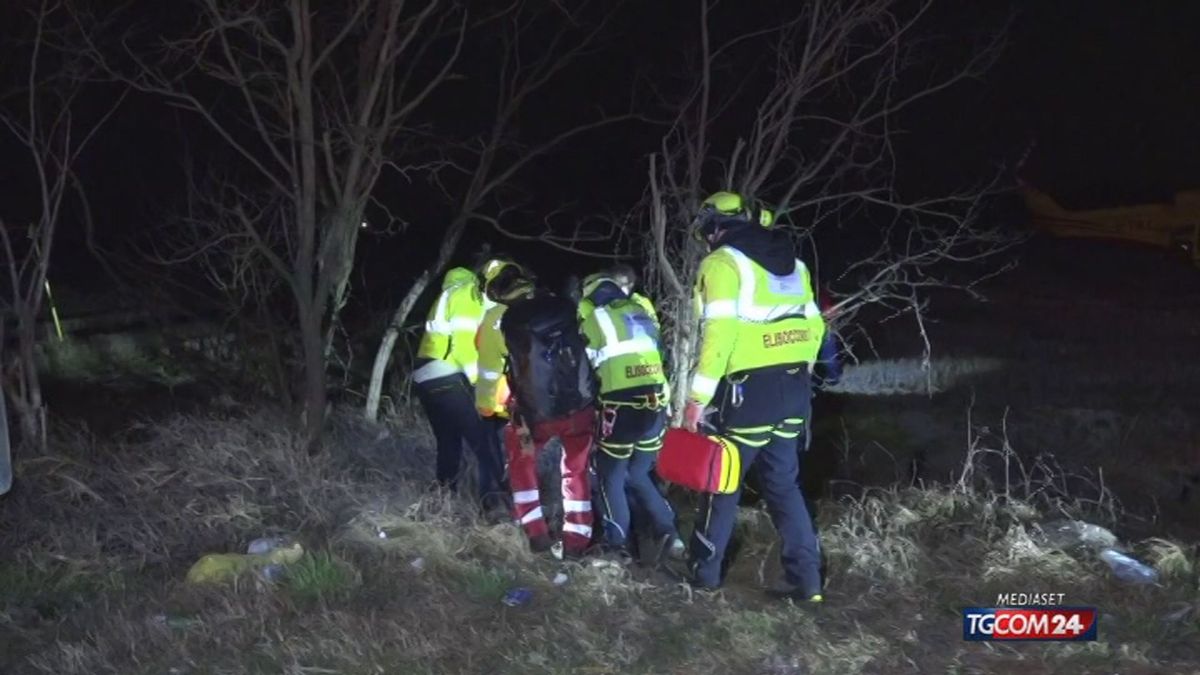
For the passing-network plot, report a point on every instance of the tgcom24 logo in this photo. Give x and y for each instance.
(1030, 617)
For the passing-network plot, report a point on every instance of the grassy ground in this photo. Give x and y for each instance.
(91, 580)
(926, 504)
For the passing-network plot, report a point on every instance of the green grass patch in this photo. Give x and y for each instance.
(114, 358)
(53, 590)
(484, 585)
(321, 576)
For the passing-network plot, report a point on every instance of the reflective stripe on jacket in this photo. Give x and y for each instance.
(751, 319)
(453, 321)
(622, 344)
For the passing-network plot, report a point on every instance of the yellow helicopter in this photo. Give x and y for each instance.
(1173, 225)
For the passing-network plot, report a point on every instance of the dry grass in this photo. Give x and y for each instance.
(92, 579)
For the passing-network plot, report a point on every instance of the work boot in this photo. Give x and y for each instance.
(671, 547)
(788, 591)
(703, 592)
(495, 510)
(671, 557)
(610, 555)
(541, 543)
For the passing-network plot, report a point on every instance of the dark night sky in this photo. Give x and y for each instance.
(1108, 89)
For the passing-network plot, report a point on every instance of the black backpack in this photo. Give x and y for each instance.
(548, 368)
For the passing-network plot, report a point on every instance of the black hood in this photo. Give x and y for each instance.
(772, 249)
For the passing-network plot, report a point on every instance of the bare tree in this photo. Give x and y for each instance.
(42, 116)
(820, 145)
(316, 101)
(210, 240)
(528, 61)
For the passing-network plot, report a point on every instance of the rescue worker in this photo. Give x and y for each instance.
(444, 377)
(530, 342)
(760, 333)
(623, 347)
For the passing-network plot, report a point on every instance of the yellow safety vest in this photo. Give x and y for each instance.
(492, 391)
(751, 319)
(451, 326)
(622, 344)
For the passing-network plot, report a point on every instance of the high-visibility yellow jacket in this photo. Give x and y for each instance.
(449, 338)
(623, 345)
(751, 319)
(491, 393)
(647, 306)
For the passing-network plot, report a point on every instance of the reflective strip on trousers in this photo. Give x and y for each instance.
(617, 450)
(652, 444)
(438, 368)
(576, 506)
(756, 437)
(533, 515)
(585, 530)
(433, 370)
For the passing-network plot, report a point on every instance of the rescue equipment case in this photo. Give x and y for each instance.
(708, 464)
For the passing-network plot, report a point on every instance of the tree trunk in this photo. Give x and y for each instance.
(25, 387)
(279, 371)
(684, 339)
(384, 355)
(315, 395)
(266, 328)
(337, 261)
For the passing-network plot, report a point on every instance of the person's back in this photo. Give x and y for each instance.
(445, 372)
(624, 349)
(548, 369)
(623, 339)
(534, 345)
(449, 336)
(760, 335)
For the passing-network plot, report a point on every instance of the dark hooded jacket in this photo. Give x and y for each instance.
(772, 249)
(775, 253)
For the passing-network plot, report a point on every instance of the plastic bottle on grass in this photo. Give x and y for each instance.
(1129, 569)
(517, 597)
(264, 545)
(274, 573)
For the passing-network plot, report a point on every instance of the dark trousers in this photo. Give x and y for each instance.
(449, 403)
(625, 474)
(780, 399)
(626, 488)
